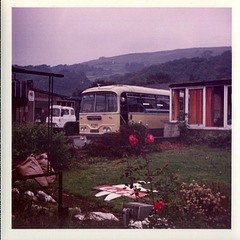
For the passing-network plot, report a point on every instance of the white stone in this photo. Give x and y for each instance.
(43, 196)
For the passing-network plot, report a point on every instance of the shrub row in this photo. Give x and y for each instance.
(33, 138)
(221, 140)
(117, 145)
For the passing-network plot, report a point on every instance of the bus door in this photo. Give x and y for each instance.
(136, 111)
(123, 109)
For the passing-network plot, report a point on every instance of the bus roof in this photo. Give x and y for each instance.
(127, 88)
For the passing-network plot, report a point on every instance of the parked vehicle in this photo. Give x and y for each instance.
(104, 109)
(63, 118)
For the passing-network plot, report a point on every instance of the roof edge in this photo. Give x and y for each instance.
(202, 83)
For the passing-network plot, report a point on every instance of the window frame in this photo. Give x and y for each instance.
(202, 126)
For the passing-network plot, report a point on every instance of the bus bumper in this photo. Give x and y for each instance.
(90, 136)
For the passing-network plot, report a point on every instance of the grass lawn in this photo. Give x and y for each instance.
(200, 163)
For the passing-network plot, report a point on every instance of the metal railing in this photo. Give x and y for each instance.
(22, 92)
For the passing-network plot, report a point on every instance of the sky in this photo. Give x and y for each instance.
(56, 36)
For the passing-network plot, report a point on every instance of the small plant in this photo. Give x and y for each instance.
(204, 207)
(183, 129)
(187, 135)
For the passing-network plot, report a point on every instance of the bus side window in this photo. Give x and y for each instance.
(135, 107)
(134, 103)
(163, 102)
(149, 102)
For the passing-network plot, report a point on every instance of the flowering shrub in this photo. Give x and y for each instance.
(141, 149)
(141, 144)
(126, 142)
(202, 205)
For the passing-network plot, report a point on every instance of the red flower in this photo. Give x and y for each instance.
(162, 203)
(133, 141)
(166, 164)
(149, 138)
(158, 205)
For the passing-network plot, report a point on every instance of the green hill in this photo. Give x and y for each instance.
(138, 68)
(181, 70)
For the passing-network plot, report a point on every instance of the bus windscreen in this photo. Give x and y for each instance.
(99, 102)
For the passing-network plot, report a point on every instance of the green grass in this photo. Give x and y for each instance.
(200, 163)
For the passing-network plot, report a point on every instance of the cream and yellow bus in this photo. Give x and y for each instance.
(105, 108)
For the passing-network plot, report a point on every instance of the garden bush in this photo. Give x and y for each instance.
(222, 140)
(114, 145)
(205, 208)
(189, 136)
(33, 138)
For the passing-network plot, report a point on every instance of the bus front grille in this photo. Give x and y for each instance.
(94, 118)
(94, 131)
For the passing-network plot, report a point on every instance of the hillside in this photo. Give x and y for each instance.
(181, 70)
(152, 58)
(136, 61)
(139, 68)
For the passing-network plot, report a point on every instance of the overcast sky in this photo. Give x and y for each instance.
(55, 36)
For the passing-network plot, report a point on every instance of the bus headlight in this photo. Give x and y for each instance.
(107, 129)
(83, 129)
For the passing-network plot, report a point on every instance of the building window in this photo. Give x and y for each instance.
(214, 106)
(178, 104)
(204, 106)
(195, 104)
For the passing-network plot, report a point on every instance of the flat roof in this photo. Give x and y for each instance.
(202, 83)
(21, 70)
